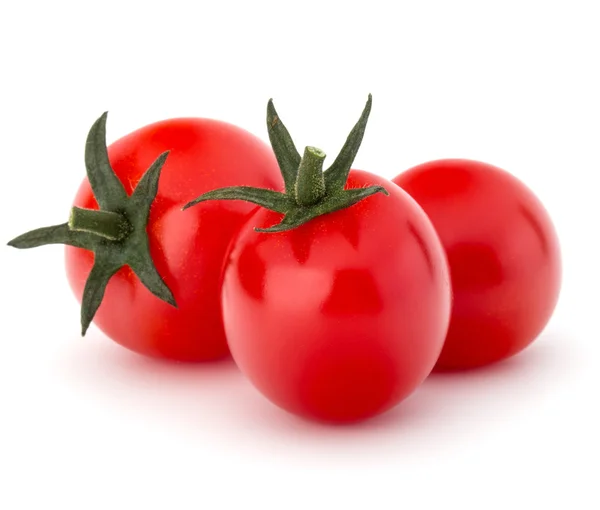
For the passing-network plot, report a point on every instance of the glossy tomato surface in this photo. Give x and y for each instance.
(188, 248)
(503, 253)
(343, 317)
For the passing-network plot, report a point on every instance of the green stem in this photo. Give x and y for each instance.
(310, 182)
(309, 192)
(116, 233)
(109, 225)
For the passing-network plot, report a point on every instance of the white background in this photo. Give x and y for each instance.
(88, 425)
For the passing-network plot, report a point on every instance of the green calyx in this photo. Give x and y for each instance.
(310, 191)
(116, 233)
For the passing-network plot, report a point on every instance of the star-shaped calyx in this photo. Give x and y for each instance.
(309, 191)
(116, 232)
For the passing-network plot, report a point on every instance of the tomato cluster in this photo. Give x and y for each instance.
(336, 291)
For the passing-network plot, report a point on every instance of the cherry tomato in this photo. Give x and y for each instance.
(503, 252)
(187, 250)
(337, 308)
(343, 317)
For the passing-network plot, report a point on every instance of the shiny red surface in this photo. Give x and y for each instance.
(503, 253)
(343, 317)
(188, 247)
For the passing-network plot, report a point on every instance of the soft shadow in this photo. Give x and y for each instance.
(99, 358)
(123, 381)
(214, 398)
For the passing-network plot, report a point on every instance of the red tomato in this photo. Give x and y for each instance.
(503, 253)
(188, 250)
(342, 317)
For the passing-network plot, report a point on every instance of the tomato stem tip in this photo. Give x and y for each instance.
(310, 182)
(107, 224)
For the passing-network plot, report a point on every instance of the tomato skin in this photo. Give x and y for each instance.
(188, 248)
(341, 318)
(503, 252)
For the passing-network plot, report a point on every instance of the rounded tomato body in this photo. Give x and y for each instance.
(503, 254)
(188, 248)
(340, 318)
